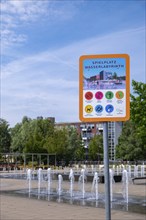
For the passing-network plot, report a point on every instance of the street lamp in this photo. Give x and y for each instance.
(86, 151)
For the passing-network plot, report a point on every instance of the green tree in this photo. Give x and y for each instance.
(96, 148)
(16, 143)
(57, 143)
(5, 138)
(132, 142)
(138, 109)
(129, 146)
(39, 131)
(75, 150)
(67, 145)
(30, 136)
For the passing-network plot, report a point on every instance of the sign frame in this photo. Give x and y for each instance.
(127, 87)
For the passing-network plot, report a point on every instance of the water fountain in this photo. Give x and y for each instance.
(82, 179)
(40, 178)
(142, 170)
(33, 174)
(111, 184)
(135, 170)
(60, 179)
(95, 185)
(125, 185)
(92, 168)
(129, 171)
(113, 168)
(86, 195)
(71, 178)
(49, 180)
(29, 177)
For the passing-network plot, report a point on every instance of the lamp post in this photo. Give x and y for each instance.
(86, 152)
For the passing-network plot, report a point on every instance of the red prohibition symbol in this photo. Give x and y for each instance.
(88, 95)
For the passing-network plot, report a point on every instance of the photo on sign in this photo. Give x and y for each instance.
(109, 73)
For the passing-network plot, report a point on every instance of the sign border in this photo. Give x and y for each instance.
(96, 119)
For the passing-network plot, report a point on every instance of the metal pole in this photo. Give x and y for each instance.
(16, 162)
(55, 160)
(40, 159)
(24, 162)
(48, 160)
(32, 161)
(106, 172)
(8, 162)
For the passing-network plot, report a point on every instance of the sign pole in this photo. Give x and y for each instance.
(106, 172)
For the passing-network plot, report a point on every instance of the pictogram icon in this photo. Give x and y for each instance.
(99, 95)
(119, 95)
(88, 95)
(109, 95)
(109, 108)
(98, 108)
(89, 108)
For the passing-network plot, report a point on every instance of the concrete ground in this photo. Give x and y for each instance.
(18, 208)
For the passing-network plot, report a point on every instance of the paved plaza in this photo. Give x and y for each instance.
(18, 208)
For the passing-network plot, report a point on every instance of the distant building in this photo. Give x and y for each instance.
(105, 75)
(52, 119)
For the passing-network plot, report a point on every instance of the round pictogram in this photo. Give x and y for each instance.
(119, 94)
(89, 108)
(98, 108)
(88, 95)
(99, 95)
(109, 108)
(109, 95)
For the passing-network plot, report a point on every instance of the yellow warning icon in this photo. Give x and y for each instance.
(89, 108)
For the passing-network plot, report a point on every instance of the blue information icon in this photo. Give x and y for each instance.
(98, 108)
(109, 108)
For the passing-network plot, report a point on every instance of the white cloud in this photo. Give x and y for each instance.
(18, 13)
(24, 10)
(9, 38)
(13, 14)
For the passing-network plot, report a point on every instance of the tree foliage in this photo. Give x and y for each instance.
(40, 136)
(57, 143)
(130, 145)
(66, 143)
(5, 138)
(75, 148)
(138, 109)
(30, 136)
(96, 148)
(132, 142)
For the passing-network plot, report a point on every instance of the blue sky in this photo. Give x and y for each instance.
(41, 45)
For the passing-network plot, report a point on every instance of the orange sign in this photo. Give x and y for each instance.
(104, 87)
